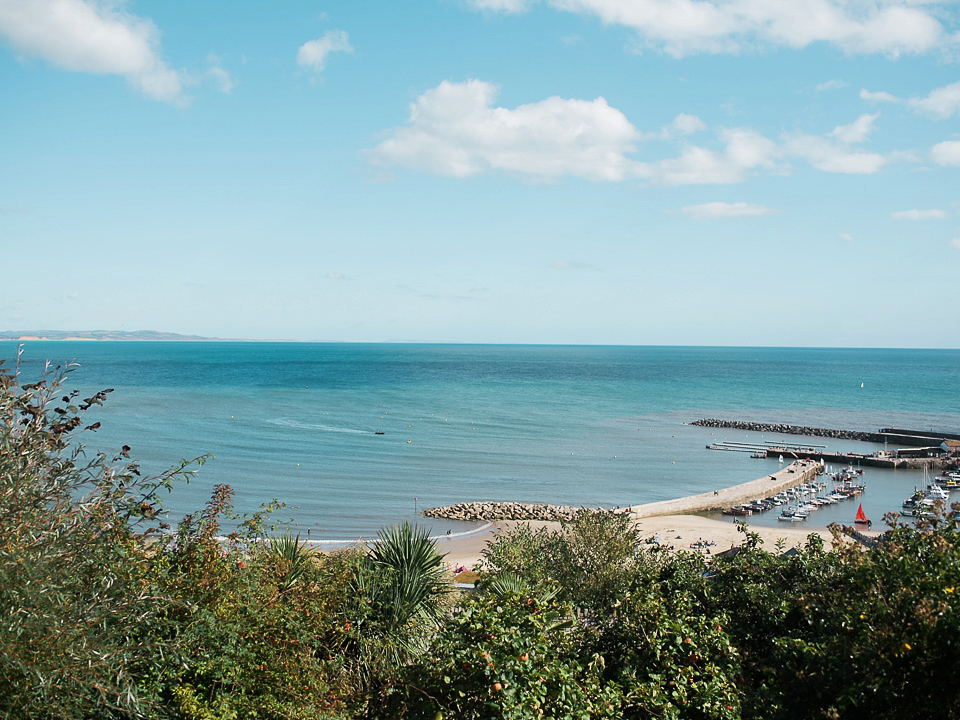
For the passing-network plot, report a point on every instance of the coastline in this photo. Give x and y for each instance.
(676, 523)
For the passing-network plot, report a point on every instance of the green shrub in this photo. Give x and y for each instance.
(76, 594)
(508, 656)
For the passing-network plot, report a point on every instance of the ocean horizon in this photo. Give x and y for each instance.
(353, 437)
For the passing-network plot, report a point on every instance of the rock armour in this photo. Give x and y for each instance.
(508, 511)
(790, 429)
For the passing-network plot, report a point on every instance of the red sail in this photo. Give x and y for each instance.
(861, 518)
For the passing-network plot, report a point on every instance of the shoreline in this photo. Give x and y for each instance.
(676, 523)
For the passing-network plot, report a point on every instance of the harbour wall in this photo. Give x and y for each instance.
(791, 430)
(891, 436)
(790, 476)
(800, 471)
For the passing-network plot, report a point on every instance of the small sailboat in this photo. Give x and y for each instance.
(861, 385)
(861, 519)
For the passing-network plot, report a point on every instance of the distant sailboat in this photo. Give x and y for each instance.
(861, 519)
(861, 385)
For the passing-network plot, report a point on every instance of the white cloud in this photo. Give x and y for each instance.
(847, 237)
(855, 132)
(314, 54)
(940, 103)
(918, 215)
(831, 85)
(745, 151)
(832, 154)
(683, 27)
(223, 79)
(955, 243)
(711, 210)
(220, 76)
(91, 37)
(946, 153)
(455, 130)
(335, 275)
(878, 96)
(684, 124)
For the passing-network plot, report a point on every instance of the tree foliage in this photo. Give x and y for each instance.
(75, 588)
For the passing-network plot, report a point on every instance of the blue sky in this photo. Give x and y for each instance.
(732, 172)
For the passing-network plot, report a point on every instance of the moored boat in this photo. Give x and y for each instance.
(791, 516)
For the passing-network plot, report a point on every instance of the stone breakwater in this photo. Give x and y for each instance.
(790, 429)
(508, 511)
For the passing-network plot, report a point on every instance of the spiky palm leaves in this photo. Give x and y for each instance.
(292, 557)
(402, 592)
(506, 583)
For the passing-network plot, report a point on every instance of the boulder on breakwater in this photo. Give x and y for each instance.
(509, 511)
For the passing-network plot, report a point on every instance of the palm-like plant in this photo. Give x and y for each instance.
(416, 583)
(403, 592)
(292, 556)
(506, 583)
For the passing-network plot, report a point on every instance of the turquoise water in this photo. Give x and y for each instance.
(565, 425)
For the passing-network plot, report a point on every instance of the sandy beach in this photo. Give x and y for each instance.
(675, 523)
(677, 531)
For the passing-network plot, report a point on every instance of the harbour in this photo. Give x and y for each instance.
(912, 449)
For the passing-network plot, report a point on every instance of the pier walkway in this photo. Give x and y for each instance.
(797, 472)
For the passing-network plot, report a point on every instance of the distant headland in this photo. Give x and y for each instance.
(105, 335)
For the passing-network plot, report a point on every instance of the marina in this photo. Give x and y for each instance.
(794, 451)
(902, 448)
(768, 447)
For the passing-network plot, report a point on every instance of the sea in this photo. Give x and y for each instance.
(353, 438)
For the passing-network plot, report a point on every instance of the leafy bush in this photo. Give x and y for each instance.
(508, 656)
(850, 632)
(590, 559)
(76, 593)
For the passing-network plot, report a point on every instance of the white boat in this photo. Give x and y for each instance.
(787, 516)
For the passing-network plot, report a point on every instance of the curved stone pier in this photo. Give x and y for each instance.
(793, 474)
(797, 472)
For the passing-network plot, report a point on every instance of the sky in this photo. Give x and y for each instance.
(638, 172)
